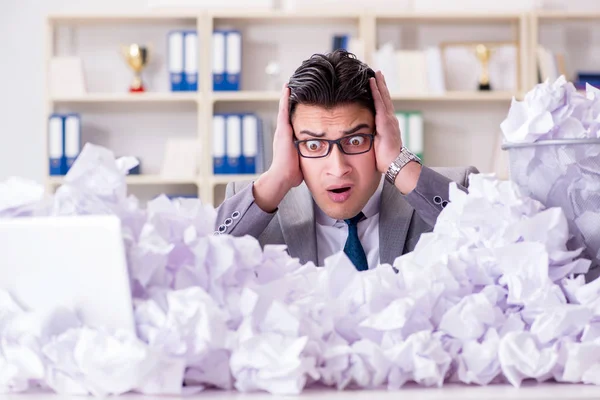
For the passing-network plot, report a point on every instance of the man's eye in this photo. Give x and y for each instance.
(356, 140)
(314, 145)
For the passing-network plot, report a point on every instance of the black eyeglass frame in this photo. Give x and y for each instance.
(331, 142)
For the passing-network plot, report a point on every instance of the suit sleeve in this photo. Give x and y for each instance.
(239, 215)
(430, 195)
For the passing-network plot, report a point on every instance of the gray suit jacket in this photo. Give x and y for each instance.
(402, 218)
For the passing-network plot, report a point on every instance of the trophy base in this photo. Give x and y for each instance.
(137, 89)
(137, 85)
(485, 87)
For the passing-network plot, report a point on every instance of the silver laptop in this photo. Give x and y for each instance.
(77, 262)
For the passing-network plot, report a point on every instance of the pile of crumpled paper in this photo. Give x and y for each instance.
(553, 137)
(492, 294)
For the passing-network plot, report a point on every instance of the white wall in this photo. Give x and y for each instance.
(22, 87)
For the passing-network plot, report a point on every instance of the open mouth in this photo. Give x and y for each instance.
(340, 190)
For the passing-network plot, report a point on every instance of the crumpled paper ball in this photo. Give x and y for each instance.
(565, 173)
(553, 110)
(491, 295)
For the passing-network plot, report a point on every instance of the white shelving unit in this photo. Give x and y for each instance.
(205, 102)
(123, 101)
(577, 20)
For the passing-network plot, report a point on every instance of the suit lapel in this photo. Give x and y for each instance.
(297, 221)
(395, 215)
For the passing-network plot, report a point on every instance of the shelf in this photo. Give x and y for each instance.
(224, 179)
(568, 15)
(330, 13)
(140, 180)
(148, 97)
(316, 14)
(458, 96)
(448, 17)
(246, 95)
(259, 96)
(274, 15)
(142, 17)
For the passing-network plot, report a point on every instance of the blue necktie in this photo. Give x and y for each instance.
(353, 248)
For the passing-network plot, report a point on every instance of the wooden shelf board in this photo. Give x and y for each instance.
(225, 178)
(448, 17)
(142, 17)
(149, 97)
(457, 96)
(316, 14)
(567, 15)
(251, 96)
(140, 180)
(274, 15)
(246, 96)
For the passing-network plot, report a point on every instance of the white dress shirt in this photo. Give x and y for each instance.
(332, 233)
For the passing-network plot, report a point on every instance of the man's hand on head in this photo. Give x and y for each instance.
(284, 172)
(388, 138)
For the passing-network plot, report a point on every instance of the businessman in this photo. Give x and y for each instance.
(340, 178)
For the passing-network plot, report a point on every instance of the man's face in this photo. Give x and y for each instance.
(341, 184)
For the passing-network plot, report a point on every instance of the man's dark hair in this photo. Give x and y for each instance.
(332, 79)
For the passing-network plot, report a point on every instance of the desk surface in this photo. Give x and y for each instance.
(452, 391)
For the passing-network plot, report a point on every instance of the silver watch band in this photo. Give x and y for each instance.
(403, 158)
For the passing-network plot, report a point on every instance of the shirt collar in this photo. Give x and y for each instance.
(370, 210)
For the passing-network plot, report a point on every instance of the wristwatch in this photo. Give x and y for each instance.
(403, 158)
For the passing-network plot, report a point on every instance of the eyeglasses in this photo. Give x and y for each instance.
(351, 145)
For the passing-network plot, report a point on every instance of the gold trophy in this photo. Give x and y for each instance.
(484, 53)
(137, 58)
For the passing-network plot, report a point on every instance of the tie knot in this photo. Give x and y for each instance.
(356, 219)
